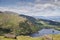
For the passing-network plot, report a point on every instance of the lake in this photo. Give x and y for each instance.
(45, 32)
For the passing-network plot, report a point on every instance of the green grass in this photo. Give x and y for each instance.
(55, 37)
(2, 38)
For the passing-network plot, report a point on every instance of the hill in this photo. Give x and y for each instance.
(11, 22)
(49, 24)
(14, 23)
(55, 18)
(32, 19)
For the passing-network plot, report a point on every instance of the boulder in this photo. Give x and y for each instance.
(10, 36)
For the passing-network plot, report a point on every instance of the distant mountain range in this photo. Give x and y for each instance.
(53, 18)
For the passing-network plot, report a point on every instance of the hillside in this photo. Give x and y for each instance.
(54, 18)
(49, 24)
(11, 22)
(32, 19)
(43, 23)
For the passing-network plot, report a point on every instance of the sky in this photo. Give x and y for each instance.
(32, 7)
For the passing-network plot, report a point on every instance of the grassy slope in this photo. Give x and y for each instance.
(17, 24)
(49, 24)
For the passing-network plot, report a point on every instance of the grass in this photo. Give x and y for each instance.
(28, 38)
(55, 37)
(2, 38)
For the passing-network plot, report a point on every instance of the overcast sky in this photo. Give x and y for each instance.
(32, 7)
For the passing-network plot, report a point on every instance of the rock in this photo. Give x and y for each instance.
(10, 36)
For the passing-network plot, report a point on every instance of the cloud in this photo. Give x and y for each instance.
(36, 8)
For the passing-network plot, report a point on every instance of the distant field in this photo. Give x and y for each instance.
(55, 37)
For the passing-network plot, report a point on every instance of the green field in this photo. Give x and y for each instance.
(55, 37)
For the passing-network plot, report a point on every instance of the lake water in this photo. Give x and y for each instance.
(45, 32)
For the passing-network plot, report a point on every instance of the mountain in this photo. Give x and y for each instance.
(53, 18)
(48, 22)
(32, 19)
(11, 22)
(18, 24)
(56, 18)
